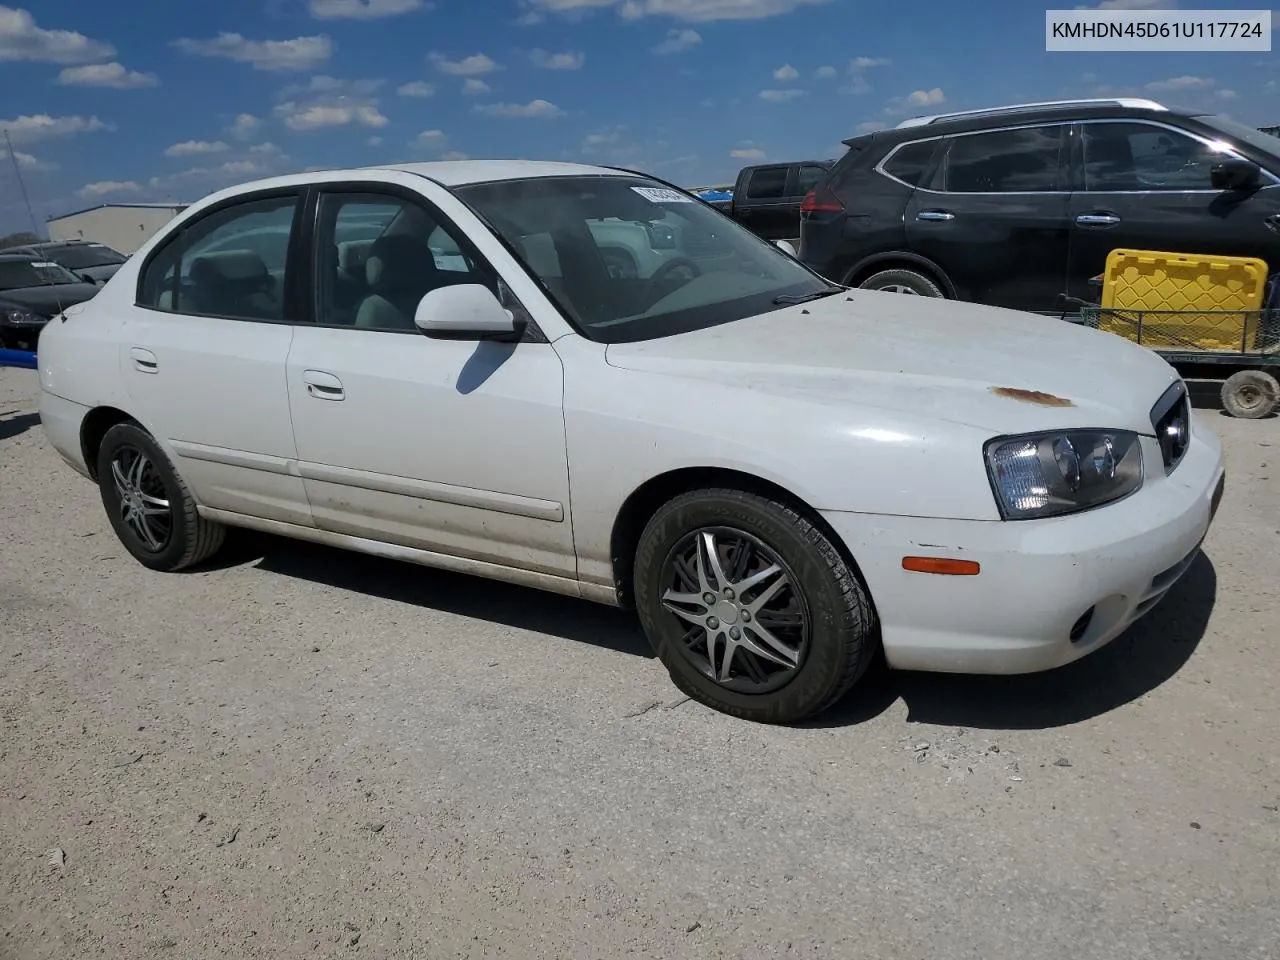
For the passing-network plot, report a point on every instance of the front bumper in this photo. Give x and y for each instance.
(1039, 578)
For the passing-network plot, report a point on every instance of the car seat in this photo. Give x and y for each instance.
(400, 271)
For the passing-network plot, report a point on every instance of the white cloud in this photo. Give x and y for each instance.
(858, 64)
(111, 75)
(430, 138)
(233, 171)
(266, 150)
(417, 88)
(747, 153)
(857, 70)
(678, 41)
(26, 161)
(245, 126)
(361, 9)
(868, 126)
(825, 73)
(786, 73)
(694, 11)
(476, 65)
(1227, 95)
(194, 148)
(557, 61)
(330, 102)
(780, 96)
(454, 155)
(1174, 84)
(300, 53)
(534, 109)
(41, 126)
(594, 142)
(374, 141)
(915, 100)
(474, 87)
(21, 38)
(103, 188)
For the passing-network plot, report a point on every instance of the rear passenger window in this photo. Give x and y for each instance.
(767, 183)
(231, 263)
(910, 161)
(1005, 161)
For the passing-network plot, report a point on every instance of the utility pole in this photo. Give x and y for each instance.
(35, 226)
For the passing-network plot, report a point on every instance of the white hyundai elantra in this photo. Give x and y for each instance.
(583, 380)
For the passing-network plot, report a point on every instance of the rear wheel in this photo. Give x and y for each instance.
(148, 504)
(902, 281)
(1251, 394)
(750, 607)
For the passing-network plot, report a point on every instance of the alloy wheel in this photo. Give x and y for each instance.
(744, 619)
(144, 503)
(899, 288)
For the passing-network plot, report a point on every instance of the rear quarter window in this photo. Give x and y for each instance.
(910, 162)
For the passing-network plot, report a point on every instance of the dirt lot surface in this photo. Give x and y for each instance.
(307, 753)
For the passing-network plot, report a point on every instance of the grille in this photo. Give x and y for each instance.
(1171, 419)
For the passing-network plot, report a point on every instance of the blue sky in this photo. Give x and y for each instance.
(157, 99)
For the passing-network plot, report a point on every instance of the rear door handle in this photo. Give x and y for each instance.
(144, 360)
(323, 386)
(1097, 219)
(935, 216)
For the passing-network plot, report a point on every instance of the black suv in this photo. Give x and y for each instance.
(1016, 206)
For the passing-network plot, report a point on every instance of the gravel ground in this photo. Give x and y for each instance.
(307, 753)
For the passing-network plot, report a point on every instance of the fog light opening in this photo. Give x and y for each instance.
(1081, 626)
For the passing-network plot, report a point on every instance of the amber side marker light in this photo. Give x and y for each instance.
(941, 565)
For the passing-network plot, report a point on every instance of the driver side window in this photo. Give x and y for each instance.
(1140, 157)
(378, 255)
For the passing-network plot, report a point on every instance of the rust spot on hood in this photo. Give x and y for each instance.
(1032, 396)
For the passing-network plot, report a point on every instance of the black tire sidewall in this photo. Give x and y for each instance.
(822, 673)
(171, 557)
(910, 278)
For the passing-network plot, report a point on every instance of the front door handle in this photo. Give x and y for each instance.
(1273, 222)
(144, 360)
(1097, 219)
(935, 216)
(323, 386)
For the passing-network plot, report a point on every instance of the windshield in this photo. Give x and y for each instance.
(84, 257)
(628, 259)
(16, 274)
(1250, 135)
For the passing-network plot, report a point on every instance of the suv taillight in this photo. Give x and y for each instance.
(821, 200)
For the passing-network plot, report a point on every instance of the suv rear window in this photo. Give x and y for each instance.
(910, 161)
(1005, 161)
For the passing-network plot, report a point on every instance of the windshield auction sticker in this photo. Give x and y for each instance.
(662, 195)
(1137, 31)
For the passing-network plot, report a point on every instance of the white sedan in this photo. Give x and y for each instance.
(583, 380)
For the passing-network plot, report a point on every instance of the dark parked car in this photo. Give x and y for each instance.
(766, 198)
(91, 262)
(1016, 206)
(32, 292)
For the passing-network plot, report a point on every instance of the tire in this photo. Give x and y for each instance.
(1251, 394)
(902, 281)
(166, 540)
(822, 614)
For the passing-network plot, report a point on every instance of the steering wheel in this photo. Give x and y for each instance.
(672, 265)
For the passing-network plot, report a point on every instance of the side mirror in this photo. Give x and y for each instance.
(1233, 173)
(787, 247)
(466, 311)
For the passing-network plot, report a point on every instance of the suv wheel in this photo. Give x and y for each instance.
(902, 281)
(149, 506)
(750, 607)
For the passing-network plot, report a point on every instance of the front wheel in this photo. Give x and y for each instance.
(902, 281)
(148, 504)
(750, 606)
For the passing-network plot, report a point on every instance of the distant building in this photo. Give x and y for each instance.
(121, 226)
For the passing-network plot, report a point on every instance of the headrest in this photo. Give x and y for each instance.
(399, 264)
(233, 265)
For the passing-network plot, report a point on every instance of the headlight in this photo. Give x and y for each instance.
(20, 317)
(1049, 474)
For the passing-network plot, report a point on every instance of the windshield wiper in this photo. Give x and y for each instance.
(789, 300)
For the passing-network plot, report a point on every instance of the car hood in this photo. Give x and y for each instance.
(47, 301)
(1003, 371)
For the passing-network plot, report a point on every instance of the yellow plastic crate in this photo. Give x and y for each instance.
(1187, 283)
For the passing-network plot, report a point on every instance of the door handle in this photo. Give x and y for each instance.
(323, 386)
(1097, 219)
(144, 360)
(1273, 222)
(935, 216)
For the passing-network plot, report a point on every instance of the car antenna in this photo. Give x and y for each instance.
(17, 169)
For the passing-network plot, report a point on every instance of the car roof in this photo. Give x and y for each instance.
(457, 173)
(20, 258)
